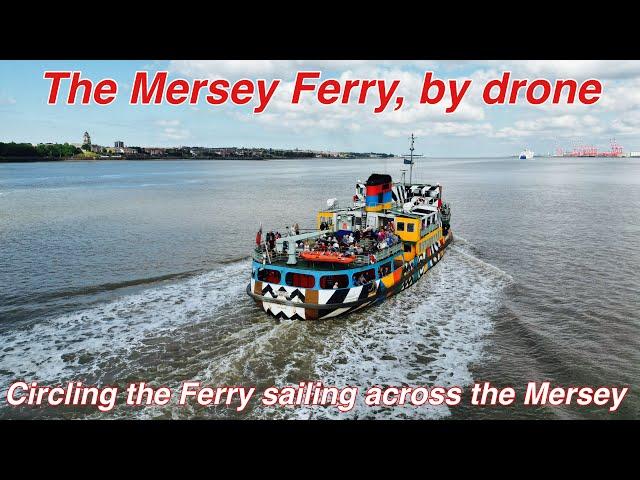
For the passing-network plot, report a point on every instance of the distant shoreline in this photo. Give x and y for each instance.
(144, 159)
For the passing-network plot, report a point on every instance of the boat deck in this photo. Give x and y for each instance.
(360, 261)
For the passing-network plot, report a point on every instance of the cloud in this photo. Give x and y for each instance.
(171, 130)
(168, 123)
(284, 69)
(468, 120)
(176, 134)
(553, 126)
(4, 100)
(627, 125)
(576, 69)
(232, 69)
(446, 128)
(473, 118)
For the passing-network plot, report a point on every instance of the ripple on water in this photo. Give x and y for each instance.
(205, 328)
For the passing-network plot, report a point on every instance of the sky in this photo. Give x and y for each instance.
(475, 129)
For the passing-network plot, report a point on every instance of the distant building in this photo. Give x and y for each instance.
(86, 139)
(155, 151)
(118, 144)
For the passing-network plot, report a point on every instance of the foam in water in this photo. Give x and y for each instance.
(75, 345)
(429, 335)
(197, 329)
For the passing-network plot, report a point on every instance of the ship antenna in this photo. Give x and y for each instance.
(411, 149)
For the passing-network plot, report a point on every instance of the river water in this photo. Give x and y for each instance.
(113, 272)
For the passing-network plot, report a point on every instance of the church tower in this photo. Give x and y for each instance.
(86, 139)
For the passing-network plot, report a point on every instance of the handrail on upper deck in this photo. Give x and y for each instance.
(275, 257)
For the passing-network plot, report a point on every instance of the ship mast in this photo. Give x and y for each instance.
(411, 149)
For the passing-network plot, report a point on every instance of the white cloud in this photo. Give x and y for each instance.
(551, 127)
(168, 123)
(176, 134)
(171, 130)
(7, 100)
(628, 124)
(455, 129)
(576, 69)
(285, 69)
(472, 118)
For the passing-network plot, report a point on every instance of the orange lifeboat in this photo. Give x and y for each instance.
(327, 257)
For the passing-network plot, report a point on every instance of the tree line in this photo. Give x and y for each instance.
(42, 150)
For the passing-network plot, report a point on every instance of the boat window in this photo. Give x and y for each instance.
(407, 247)
(400, 227)
(410, 227)
(268, 275)
(329, 281)
(300, 280)
(360, 278)
(384, 270)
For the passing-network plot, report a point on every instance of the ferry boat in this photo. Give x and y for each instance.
(357, 256)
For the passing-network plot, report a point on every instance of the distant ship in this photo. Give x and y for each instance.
(526, 154)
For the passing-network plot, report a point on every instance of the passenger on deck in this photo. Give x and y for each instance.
(271, 240)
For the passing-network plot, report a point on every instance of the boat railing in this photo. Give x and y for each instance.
(429, 228)
(271, 257)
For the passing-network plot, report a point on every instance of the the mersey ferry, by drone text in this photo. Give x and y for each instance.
(358, 256)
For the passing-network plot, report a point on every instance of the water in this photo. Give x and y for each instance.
(115, 272)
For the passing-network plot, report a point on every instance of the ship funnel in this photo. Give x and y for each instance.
(378, 193)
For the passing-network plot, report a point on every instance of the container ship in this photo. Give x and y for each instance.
(357, 256)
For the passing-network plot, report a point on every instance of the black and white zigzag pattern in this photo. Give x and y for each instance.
(290, 294)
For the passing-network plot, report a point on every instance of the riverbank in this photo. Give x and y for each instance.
(139, 158)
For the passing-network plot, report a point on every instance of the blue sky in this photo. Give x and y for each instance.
(475, 129)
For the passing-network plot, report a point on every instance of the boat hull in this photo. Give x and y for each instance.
(284, 302)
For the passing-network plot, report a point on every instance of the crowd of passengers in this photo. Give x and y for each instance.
(367, 241)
